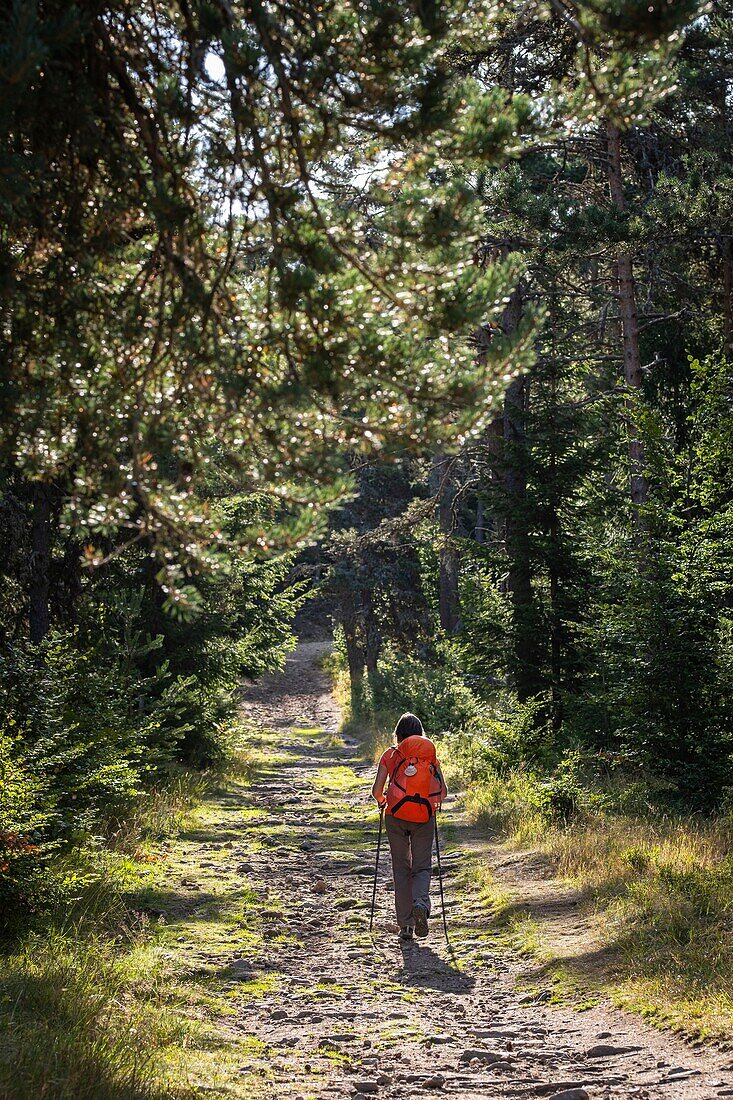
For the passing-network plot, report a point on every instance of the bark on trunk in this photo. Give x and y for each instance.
(557, 618)
(516, 531)
(519, 581)
(443, 483)
(354, 649)
(479, 532)
(726, 248)
(372, 633)
(40, 565)
(557, 623)
(624, 276)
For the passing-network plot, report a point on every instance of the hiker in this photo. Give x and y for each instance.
(416, 790)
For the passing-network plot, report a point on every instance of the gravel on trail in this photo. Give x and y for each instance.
(341, 1013)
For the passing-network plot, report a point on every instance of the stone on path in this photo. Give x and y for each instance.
(487, 1056)
(604, 1050)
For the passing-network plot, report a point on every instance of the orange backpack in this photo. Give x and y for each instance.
(415, 784)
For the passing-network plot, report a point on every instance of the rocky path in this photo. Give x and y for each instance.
(270, 920)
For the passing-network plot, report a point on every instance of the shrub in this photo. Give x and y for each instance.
(72, 753)
(434, 692)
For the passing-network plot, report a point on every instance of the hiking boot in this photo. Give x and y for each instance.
(420, 916)
(406, 932)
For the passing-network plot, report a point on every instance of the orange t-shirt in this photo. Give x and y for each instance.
(387, 760)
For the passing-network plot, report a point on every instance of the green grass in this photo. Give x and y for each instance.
(82, 1013)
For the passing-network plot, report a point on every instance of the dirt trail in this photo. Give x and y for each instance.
(272, 910)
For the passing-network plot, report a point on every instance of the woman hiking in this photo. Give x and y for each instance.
(416, 790)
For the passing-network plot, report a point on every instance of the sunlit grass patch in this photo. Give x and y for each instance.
(76, 1020)
(659, 889)
(338, 779)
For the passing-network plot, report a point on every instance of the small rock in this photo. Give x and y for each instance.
(279, 1014)
(241, 968)
(603, 1050)
(365, 1087)
(675, 1075)
(384, 1079)
(435, 1082)
(319, 886)
(487, 1056)
(571, 1094)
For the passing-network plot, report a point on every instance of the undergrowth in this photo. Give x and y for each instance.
(83, 1008)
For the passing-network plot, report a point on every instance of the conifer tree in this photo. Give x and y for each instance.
(176, 270)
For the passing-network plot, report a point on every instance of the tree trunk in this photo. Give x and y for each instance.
(40, 564)
(556, 615)
(443, 484)
(516, 527)
(479, 531)
(354, 650)
(726, 248)
(519, 581)
(624, 277)
(372, 633)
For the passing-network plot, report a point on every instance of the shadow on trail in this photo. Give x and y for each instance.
(422, 967)
(186, 906)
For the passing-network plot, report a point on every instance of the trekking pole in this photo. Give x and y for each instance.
(440, 881)
(376, 867)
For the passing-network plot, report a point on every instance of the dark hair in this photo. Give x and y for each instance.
(409, 725)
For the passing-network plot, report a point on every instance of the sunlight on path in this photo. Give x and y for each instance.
(287, 994)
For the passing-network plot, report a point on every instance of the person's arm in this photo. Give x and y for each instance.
(378, 788)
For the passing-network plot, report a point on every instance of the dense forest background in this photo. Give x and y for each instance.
(417, 311)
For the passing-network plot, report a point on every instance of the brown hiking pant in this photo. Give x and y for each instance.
(411, 845)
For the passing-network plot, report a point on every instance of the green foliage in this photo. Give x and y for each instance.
(501, 737)
(432, 691)
(95, 717)
(659, 642)
(74, 749)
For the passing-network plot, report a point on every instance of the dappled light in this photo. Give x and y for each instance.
(366, 549)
